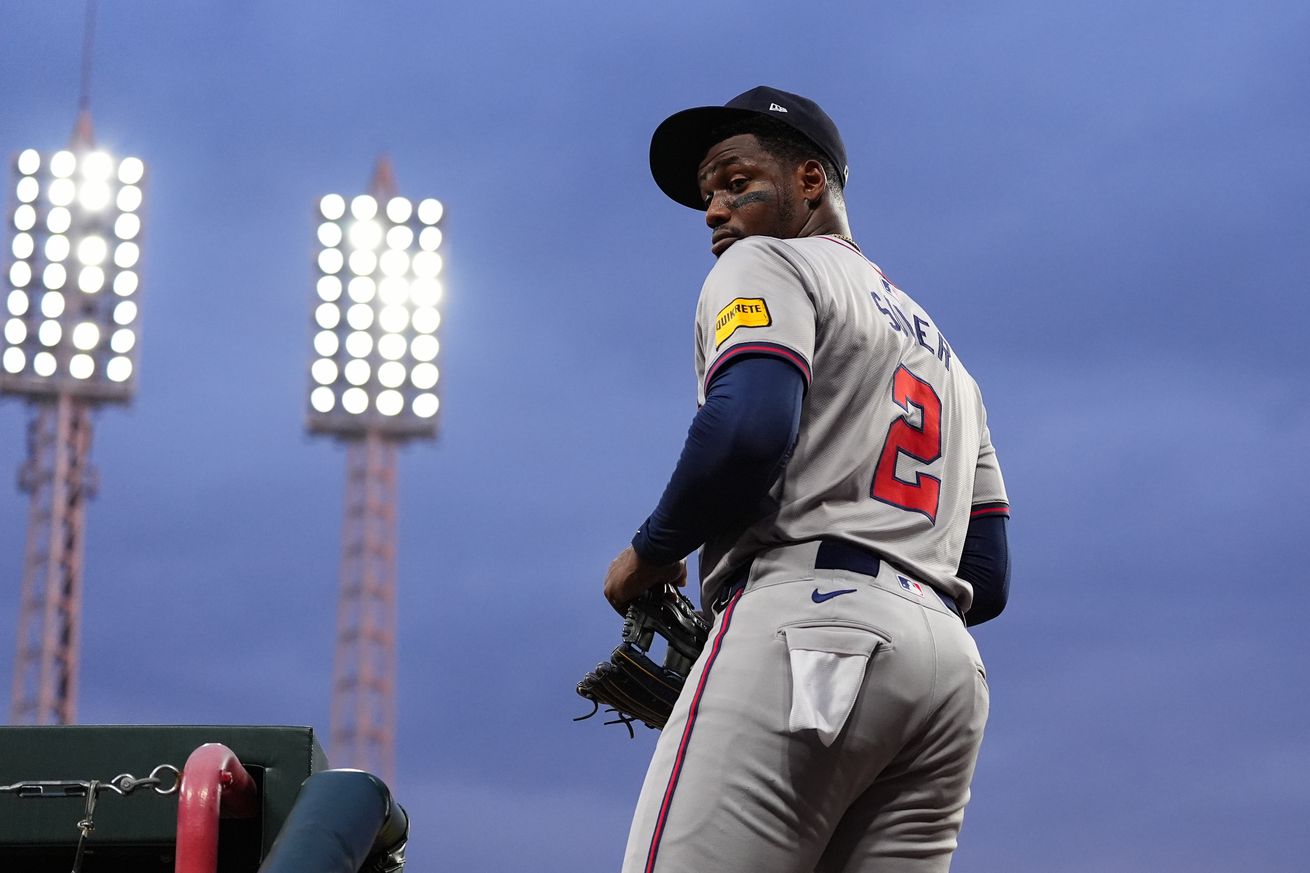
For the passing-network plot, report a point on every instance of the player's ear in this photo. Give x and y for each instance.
(812, 181)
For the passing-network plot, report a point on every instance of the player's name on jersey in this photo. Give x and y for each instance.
(921, 330)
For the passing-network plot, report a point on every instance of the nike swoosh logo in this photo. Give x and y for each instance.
(820, 597)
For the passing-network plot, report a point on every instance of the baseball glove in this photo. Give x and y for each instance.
(632, 686)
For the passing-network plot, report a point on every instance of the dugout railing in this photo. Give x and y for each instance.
(246, 800)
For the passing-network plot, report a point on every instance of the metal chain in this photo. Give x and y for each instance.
(123, 784)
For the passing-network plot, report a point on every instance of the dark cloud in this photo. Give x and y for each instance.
(1103, 204)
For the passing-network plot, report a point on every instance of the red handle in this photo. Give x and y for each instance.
(213, 783)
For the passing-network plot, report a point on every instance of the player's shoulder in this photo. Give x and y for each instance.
(832, 257)
(756, 248)
(763, 258)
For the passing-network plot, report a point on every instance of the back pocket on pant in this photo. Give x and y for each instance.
(827, 672)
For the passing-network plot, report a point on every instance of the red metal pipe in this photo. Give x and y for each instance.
(213, 783)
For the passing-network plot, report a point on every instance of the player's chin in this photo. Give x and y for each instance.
(721, 244)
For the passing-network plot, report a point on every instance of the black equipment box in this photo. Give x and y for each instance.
(138, 832)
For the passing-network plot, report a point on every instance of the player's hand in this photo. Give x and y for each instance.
(630, 576)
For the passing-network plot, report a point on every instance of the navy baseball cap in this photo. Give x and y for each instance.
(680, 142)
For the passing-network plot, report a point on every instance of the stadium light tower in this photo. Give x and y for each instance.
(373, 385)
(69, 345)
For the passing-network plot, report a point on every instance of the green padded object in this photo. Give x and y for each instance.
(279, 759)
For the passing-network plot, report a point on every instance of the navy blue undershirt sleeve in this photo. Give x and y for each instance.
(985, 565)
(738, 443)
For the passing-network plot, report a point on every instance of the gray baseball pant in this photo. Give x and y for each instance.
(830, 735)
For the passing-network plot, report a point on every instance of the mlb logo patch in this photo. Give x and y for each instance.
(911, 586)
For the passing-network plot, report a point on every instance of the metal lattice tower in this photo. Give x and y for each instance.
(373, 387)
(59, 477)
(68, 347)
(364, 665)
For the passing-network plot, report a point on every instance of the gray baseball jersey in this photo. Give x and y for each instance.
(894, 452)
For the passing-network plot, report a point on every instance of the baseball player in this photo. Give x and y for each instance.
(840, 481)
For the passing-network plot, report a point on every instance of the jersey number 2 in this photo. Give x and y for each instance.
(922, 442)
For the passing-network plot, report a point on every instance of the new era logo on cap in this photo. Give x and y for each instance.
(774, 107)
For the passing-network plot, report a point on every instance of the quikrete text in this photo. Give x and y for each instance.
(739, 309)
(741, 312)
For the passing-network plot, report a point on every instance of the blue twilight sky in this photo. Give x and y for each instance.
(1105, 205)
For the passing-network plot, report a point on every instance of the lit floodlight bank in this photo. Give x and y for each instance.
(376, 311)
(69, 313)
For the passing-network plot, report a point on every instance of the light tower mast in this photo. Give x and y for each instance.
(373, 386)
(69, 346)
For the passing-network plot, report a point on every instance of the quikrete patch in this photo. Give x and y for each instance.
(742, 312)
